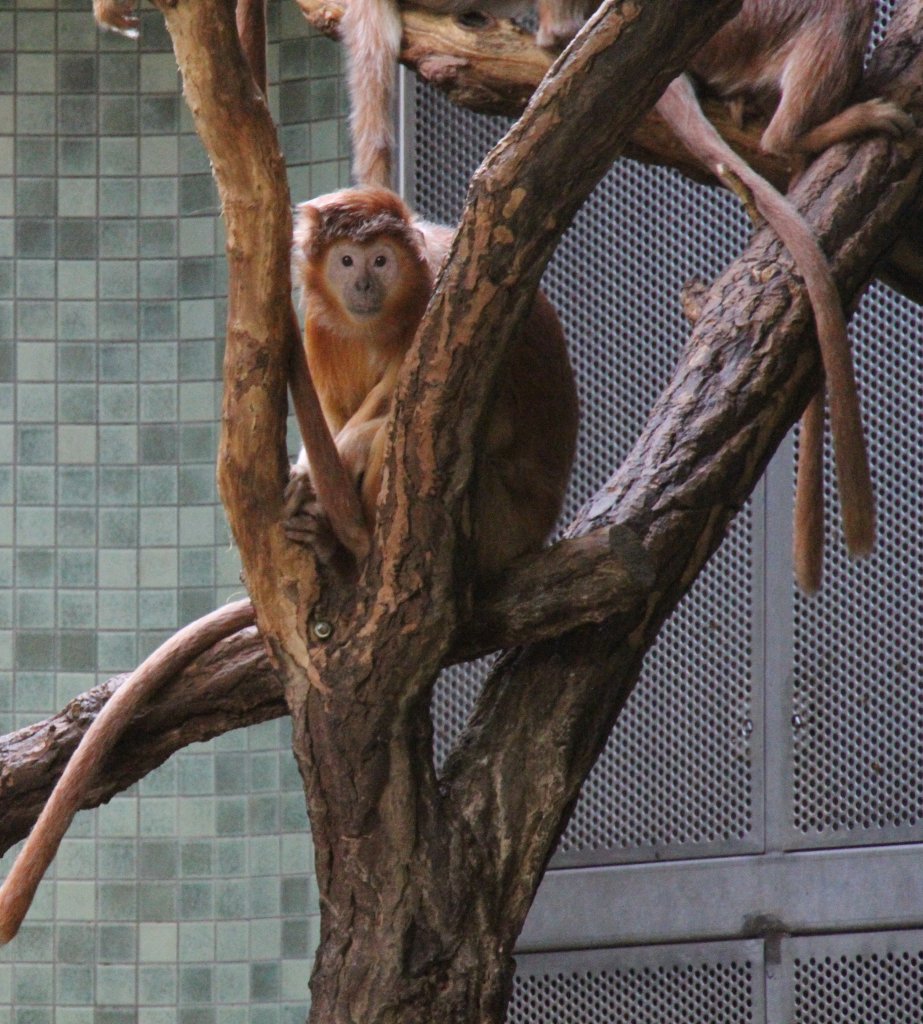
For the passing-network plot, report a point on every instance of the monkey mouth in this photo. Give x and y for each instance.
(364, 310)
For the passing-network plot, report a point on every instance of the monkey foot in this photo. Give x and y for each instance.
(311, 528)
(304, 520)
(118, 17)
(890, 118)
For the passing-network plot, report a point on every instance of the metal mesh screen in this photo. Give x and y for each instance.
(656, 986)
(857, 706)
(858, 979)
(615, 281)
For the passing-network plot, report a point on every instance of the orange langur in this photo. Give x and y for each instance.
(802, 58)
(367, 270)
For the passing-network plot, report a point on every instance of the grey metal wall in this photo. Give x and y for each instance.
(765, 778)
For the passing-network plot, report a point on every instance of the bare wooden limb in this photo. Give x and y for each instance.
(231, 686)
(365, 748)
(237, 131)
(494, 67)
(575, 583)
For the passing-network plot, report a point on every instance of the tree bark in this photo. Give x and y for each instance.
(493, 66)
(575, 582)
(231, 686)
(745, 376)
(389, 849)
(425, 881)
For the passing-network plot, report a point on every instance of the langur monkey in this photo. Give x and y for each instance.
(802, 57)
(367, 269)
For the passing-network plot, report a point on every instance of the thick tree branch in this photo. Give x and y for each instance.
(231, 686)
(519, 205)
(236, 129)
(494, 66)
(574, 583)
(742, 381)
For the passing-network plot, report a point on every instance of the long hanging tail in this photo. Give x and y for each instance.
(808, 533)
(69, 794)
(372, 33)
(679, 106)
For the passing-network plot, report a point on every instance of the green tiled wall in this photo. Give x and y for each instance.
(190, 897)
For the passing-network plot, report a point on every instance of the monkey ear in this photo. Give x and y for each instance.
(307, 225)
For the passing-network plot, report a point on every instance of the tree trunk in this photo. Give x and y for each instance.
(425, 881)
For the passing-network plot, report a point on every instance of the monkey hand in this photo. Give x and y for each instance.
(889, 118)
(305, 521)
(117, 15)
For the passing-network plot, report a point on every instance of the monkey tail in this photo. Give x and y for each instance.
(679, 106)
(70, 793)
(808, 533)
(372, 34)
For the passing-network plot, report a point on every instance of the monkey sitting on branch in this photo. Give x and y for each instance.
(367, 268)
(801, 59)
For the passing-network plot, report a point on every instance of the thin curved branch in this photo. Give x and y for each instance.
(236, 128)
(493, 66)
(574, 583)
(231, 686)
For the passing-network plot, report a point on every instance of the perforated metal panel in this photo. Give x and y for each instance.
(719, 984)
(857, 704)
(857, 979)
(616, 280)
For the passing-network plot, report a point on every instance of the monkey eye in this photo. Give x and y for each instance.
(380, 261)
(347, 261)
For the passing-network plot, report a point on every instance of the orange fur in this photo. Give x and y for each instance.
(346, 357)
(527, 449)
(117, 16)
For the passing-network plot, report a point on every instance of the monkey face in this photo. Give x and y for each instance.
(364, 275)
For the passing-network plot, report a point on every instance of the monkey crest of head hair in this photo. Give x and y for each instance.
(357, 214)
